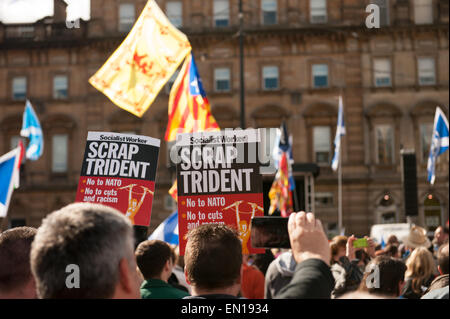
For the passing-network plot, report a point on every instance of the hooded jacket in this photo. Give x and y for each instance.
(279, 274)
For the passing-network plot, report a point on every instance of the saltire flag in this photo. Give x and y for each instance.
(280, 193)
(139, 68)
(9, 169)
(31, 128)
(439, 142)
(168, 230)
(340, 131)
(189, 108)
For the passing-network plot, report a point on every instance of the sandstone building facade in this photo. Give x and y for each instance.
(300, 55)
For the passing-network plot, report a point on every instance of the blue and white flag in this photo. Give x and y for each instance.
(439, 142)
(340, 131)
(31, 128)
(9, 170)
(168, 230)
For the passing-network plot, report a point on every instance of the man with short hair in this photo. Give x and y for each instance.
(85, 251)
(439, 288)
(213, 259)
(156, 260)
(16, 280)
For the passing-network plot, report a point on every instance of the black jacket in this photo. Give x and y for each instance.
(312, 280)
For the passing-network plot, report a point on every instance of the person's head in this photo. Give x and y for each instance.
(441, 235)
(420, 266)
(338, 247)
(416, 238)
(442, 257)
(384, 276)
(86, 246)
(390, 250)
(155, 259)
(393, 240)
(16, 279)
(213, 259)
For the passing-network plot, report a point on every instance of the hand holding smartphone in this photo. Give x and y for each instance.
(360, 243)
(270, 232)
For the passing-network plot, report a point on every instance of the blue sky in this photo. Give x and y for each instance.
(28, 11)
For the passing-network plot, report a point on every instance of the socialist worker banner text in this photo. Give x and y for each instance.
(219, 181)
(119, 170)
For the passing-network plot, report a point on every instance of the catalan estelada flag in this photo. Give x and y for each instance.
(135, 73)
(189, 109)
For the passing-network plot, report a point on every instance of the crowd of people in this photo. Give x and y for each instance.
(89, 251)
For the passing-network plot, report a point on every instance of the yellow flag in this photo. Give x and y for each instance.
(135, 73)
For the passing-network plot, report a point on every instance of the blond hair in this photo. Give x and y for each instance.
(420, 266)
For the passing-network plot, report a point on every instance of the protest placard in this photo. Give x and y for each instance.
(219, 181)
(119, 171)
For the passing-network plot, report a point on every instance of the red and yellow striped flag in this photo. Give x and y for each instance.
(135, 73)
(189, 109)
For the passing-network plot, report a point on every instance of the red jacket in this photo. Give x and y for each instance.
(252, 283)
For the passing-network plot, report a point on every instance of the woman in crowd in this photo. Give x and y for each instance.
(419, 274)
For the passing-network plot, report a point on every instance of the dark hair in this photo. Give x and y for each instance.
(443, 258)
(15, 246)
(391, 274)
(213, 256)
(151, 256)
(390, 250)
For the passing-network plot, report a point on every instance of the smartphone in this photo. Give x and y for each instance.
(360, 243)
(269, 232)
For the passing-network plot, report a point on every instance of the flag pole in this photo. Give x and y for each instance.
(340, 193)
(241, 64)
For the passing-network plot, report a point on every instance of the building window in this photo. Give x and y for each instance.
(174, 10)
(126, 17)
(321, 142)
(423, 11)
(59, 153)
(432, 212)
(221, 13)
(318, 11)
(222, 79)
(269, 12)
(426, 131)
(382, 72)
(426, 71)
(19, 88)
(323, 199)
(270, 78)
(385, 144)
(60, 87)
(320, 75)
